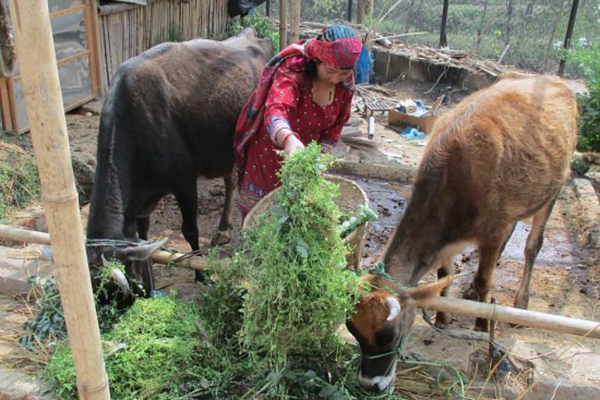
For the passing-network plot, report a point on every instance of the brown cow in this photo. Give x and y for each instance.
(502, 155)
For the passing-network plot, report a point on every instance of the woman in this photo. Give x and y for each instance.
(305, 94)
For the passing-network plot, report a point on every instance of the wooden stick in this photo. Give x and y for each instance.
(397, 36)
(466, 308)
(23, 235)
(282, 24)
(161, 257)
(294, 21)
(533, 319)
(193, 262)
(43, 101)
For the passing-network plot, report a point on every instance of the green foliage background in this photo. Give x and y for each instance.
(588, 59)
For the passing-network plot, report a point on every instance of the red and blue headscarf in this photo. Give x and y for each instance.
(337, 45)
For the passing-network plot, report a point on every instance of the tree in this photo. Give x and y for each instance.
(360, 12)
(443, 38)
(408, 16)
(482, 27)
(510, 9)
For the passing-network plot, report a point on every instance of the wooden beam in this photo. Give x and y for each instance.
(43, 100)
(161, 257)
(511, 315)
(294, 22)
(282, 24)
(533, 319)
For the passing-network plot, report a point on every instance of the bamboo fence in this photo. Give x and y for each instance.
(127, 30)
(534, 319)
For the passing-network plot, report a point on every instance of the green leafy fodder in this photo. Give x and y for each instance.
(262, 25)
(154, 352)
(47, 327)
(299, 291)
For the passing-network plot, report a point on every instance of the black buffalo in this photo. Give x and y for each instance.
(168, 119)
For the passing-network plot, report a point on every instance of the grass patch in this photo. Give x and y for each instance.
(19, 180)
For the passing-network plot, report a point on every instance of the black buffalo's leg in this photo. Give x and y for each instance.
(143, 227)
(188, 204)
(223, 234)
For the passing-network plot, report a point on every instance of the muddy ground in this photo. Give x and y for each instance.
(566, 277)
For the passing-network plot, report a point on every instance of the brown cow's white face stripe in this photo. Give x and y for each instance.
(379, 383)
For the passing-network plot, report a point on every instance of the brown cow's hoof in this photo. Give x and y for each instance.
(470, 294)
(220, 238)
(522, 302)
(442, 320)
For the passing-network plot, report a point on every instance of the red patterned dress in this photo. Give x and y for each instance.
(289, 102)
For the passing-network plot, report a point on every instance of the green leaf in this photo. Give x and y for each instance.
(303, 251)
(279, 211)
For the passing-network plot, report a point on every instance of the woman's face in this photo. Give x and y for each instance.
(332, 75)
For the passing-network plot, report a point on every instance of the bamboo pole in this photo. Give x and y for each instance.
(294, 22)
(282, 24)
(511, 315)
(161, 257)
(23, 235)
(43, 101)
(533, 319)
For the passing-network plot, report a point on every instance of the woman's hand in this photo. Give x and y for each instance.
(292, 144)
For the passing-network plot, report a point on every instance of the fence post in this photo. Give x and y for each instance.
(282, 24)
(43, 101)
(443, 39)
(294, 21)
(349, 10)
(568, 36)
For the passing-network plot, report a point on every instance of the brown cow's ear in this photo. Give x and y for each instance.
(429, 290)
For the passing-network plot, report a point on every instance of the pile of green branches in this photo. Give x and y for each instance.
(286, 290)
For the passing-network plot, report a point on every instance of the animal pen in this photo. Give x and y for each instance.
(92, 40)
(125, 31)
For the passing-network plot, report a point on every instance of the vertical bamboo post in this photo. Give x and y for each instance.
(294, 22)
(43, 100)
(282, 24)
(443, 38)
(568, 36)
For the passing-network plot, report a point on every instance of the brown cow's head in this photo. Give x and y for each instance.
(382, 322)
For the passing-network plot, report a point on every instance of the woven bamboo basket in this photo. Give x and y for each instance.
(349, 200)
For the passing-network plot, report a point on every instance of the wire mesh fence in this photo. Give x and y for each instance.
(526, 33)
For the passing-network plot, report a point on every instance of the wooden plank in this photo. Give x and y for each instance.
(67, 11)
(92, 31)
(7, 121)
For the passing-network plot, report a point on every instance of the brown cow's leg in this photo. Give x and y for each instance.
(223, 236)
(489, 252)
(443, 319)
(532, 248)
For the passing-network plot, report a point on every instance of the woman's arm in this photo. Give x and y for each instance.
(282, 100)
